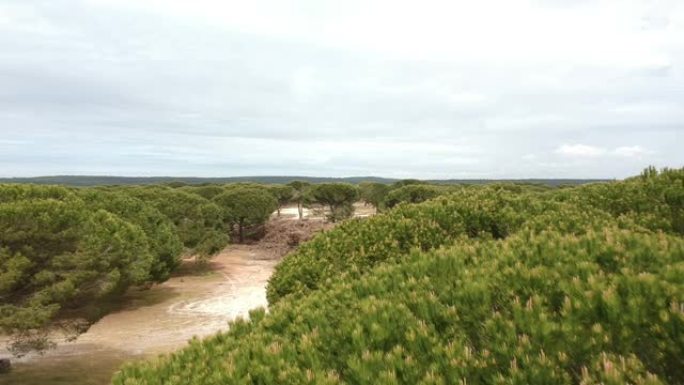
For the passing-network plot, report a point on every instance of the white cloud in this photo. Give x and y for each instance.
(630, 151)
(580, 150)
(585, 151)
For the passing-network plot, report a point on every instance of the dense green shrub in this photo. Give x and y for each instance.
(654, 199)
(356, 246)
(488, 285)
(18, 192)
(547, 308)
(493, 211)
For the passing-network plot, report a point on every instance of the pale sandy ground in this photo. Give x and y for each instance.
(290, 212)
(161, 319)
(193, 306)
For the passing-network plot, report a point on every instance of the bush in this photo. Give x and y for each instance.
(493, 284)
(603, 307)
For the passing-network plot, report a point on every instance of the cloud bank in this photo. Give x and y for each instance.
(432, 89)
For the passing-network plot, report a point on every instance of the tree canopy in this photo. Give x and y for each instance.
(373, 193)
(338, 197)
(247, 206)
(58, 255)
(299, 195)
(164, 242)
(199, 222)
(411, 193)
(284, 194)
(66, 253)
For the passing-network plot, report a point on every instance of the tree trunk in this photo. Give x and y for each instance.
(5, 365)
(278, 211)
(241, 231)
(300, 210)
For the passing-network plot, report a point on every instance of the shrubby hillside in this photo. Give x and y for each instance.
(499, 284)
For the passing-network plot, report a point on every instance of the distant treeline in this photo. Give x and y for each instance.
(85, 180)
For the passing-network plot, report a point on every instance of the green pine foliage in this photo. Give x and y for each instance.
(337, 197)
(199, 222)
(374, 193)
(163, 239)
(654, 199)
(356, 246)
(412, 193)
(57, 255)
(67, 254)
(488, 285)
(245, 206)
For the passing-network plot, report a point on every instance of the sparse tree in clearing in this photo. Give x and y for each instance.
(339, 197)
(247, 206)
(411, 193)
(299, 195)
(283, 194)
(373, 193)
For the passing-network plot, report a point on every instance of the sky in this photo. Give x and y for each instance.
(420, 89)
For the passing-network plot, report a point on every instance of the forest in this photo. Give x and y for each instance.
(68, 255)
(502, 283)
(496, 284)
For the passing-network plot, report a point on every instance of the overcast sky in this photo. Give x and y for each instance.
(428, 89)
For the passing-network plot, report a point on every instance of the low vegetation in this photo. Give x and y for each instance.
(502, 284)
